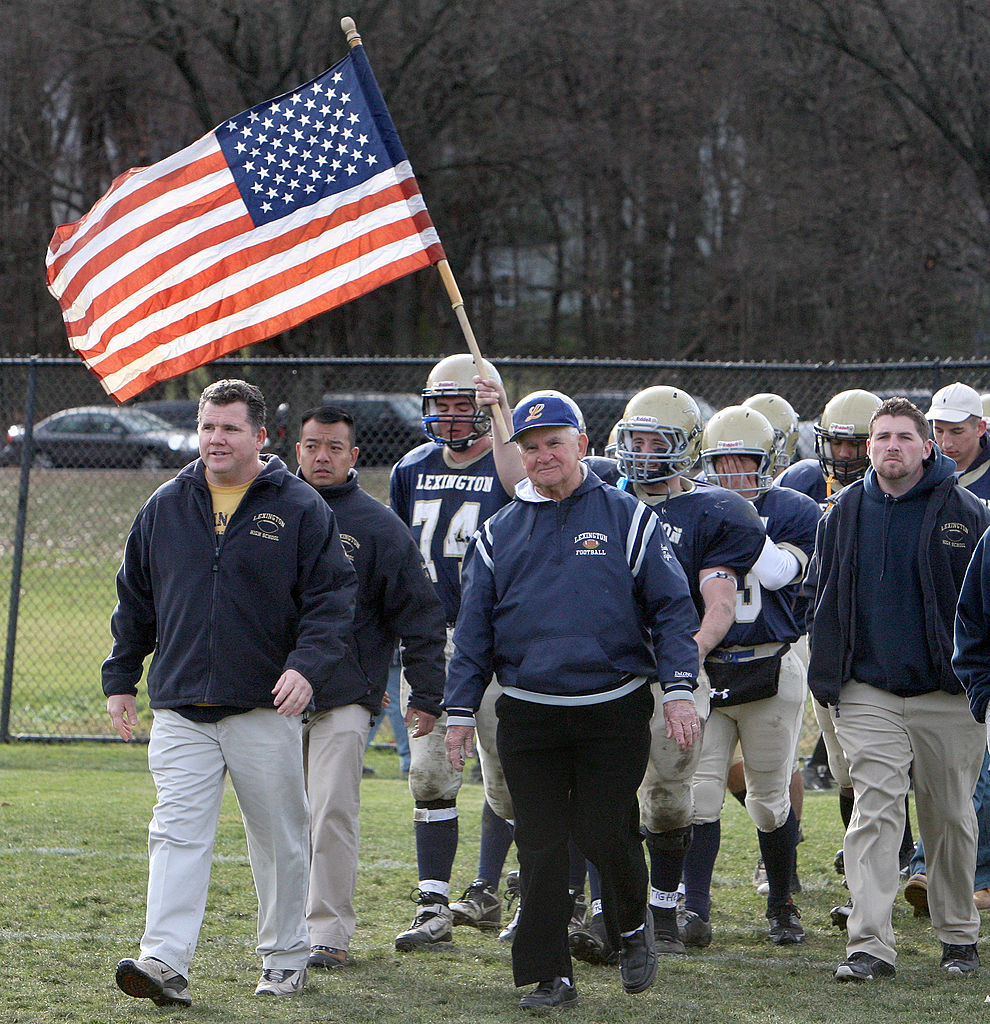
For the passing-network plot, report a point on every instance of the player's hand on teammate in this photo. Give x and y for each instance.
(460, 745)
(424, 722)
(683, 724)
(122, 709)
(292, 693)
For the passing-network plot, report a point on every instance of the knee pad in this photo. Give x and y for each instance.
(677, 840)
(435, 810)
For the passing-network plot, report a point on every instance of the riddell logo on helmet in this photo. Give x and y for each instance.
(728, 445)
(535, 411)
(842, 428)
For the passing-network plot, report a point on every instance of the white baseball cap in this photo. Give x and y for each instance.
(955, 403)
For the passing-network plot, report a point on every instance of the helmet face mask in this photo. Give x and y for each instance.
(845, 420)
(452, 379)
(658, 436)
(740, 431)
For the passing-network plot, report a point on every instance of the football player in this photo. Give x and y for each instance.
(444, 490)
(758, 686)
(784, 421)
(717, 536)
(840, 447)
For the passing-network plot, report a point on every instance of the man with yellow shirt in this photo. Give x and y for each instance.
(235, 577)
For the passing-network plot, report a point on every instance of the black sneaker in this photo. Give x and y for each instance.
(785, 925)
(839, 863)
(480, 906)
(548, 994)
(665, 932)
(694, 929)
(840, 915)
(431, 925)
(511, 894)
(817, 777)
(638, 958)
(958, 959)
(863, 967)
(591, 944)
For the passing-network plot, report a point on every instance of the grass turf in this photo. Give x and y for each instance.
(73, 824)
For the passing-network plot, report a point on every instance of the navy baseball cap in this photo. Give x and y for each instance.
(542, 411)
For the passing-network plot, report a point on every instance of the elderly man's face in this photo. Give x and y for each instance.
(552, 457)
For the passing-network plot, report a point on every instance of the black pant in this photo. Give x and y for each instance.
(573, 772)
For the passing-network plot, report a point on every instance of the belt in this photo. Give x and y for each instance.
(737, 654)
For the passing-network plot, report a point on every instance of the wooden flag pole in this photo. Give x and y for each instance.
(447, 276)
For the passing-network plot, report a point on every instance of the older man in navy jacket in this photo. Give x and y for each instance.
(573, 597)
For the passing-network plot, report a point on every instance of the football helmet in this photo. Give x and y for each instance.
(784, 421)
(985, 402)
(739, 430)
(451, 378)
(613, 441)
(846, 417)
(674, 416)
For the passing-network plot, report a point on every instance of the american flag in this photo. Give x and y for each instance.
(289, 209)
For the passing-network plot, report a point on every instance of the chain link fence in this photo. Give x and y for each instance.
(68, 511)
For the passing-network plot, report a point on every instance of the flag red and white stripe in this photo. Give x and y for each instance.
(181, 263)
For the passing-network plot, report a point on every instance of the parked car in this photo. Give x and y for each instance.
(104, 437)
(388, 424)
(180, 412)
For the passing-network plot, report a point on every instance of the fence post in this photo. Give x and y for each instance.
(27, 453)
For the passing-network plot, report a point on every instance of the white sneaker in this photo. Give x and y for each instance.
(275, 982)
(151, 979)
(431, 925)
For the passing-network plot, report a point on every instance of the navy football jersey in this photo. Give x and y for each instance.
(707, 526)
(805, 476)
(604, 469)
(767, 616)
(444, 504)
(976, 479)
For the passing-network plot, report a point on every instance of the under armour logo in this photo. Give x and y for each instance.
(720, 694)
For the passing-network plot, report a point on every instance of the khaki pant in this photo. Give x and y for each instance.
(430, 774)
(334, 743)
(666, 797)
(767, 732)
(882, 735)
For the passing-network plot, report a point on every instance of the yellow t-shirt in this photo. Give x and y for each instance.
(225, 502)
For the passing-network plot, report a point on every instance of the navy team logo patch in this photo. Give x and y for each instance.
(590, 544)
(954, 535)
(267, 525)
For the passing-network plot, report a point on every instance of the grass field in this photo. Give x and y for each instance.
(73, 836)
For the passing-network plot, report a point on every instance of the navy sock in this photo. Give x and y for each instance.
(436, 847)
(699, 864)
(496, 840)
(594, 882)
(846, 801)
(778, 848)
(665, 869)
